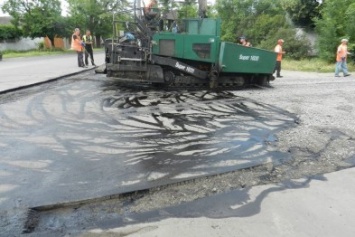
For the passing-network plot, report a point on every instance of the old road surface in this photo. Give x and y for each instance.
(21, 72)
(84, 152)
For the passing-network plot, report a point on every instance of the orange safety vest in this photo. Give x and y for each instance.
(342, 52)
(278, 50)
(76, 43)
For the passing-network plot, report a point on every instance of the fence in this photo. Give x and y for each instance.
(22, 44)
(25, 44)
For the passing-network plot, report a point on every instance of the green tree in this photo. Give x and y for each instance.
(302, 12)
(9, 32)
(37, 18)
(297, 46)
(262, 22)
(335, 22)
(265, 27)
(95, 15)
(188, 9)
(247, 17)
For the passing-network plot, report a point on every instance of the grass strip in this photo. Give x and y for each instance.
(312, 65)
(33, 53)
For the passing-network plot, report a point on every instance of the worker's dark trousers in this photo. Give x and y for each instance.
(278, 68)
(80, 58)
(88, 51)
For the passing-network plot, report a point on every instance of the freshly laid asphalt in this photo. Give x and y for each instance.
(82, 138)
(318, 206)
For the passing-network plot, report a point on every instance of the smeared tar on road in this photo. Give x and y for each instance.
(88, 139)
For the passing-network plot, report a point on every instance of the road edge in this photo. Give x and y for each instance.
(44, 82)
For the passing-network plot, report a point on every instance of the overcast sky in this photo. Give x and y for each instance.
(1, 3)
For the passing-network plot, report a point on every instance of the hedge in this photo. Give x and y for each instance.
(9, 32)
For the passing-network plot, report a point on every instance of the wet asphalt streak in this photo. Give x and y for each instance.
(87, 137)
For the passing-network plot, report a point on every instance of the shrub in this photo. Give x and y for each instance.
(296, 46)
(265, 26)
(9, 32)
(40, 45)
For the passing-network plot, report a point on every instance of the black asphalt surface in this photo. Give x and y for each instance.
(86, 137)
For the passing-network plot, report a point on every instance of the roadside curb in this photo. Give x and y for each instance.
(45, 81)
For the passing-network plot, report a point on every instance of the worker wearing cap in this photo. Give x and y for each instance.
(243, 41)
(280, 52)
(342, 54)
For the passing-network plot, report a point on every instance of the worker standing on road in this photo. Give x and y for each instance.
(77, 45)
(280, 53)
(87, 39)
(342, 54)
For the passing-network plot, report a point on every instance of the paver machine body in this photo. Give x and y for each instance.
(188, 54)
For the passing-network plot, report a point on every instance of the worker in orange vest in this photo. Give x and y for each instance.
(78, 45)
(342, 54)
(280, 52)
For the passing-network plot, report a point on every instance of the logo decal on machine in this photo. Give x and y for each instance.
(248, 58)
(184, 68)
